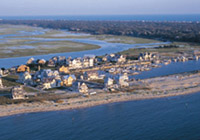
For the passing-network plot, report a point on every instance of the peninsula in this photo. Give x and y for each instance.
(69, 83)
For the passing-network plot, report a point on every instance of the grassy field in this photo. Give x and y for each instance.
(13, 29)
(184, 48)
(10, 81)
(123, 39)
(19, 45)
(43, 48)
(16, 46)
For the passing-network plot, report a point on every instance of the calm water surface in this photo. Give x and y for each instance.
(174, 118)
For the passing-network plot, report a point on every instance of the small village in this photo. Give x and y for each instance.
(89, 75)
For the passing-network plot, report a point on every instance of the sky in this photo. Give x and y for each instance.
(97, 7)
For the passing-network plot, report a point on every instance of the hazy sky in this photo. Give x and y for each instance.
(97, 7)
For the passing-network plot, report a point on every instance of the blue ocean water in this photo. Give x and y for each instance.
(174, 118)
(193, 17)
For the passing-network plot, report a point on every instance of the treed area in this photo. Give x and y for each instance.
(167, 31)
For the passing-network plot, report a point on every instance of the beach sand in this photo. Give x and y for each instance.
(160, 87)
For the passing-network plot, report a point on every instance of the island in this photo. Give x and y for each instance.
(62, 83)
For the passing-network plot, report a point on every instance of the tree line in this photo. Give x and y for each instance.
(166, 31)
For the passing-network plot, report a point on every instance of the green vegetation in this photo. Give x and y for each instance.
(13, 29)
(10, 81)
(28, 89)
(39, 98)
(123, 39)
(16, 46)
(183, 48)
(42, 49)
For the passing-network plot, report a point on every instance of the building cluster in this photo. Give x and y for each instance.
(116, 83)
(57, 72)
(148, 56)
(47, 78)
(72, 63)
(108, 73)
(114, 58)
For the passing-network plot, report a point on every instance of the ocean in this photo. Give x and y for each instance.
(173, 118)
(179, 18)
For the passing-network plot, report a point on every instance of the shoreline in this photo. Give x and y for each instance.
(45, 107)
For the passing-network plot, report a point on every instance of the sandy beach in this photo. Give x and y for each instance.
(160, 87)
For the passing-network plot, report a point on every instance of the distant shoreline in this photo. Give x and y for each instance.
(152, 17)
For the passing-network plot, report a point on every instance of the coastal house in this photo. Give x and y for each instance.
(13, 69)
(123, 80)
(68, 60)
(55, 59)
(30, 61)
(49, 73)
(83, 88)
(25, 78)
(97, 61)
(110, 57)
(105, 59)
(61, 60)
(91, 75)
(49, 83)
(75, 63)
(114, 58)
(41, 75)
(1, 83)
(110, 85)
(41, 61)
(88, 61)
(68, 80)
(51, 63)
(121, 59)
(18, 92)
(64, 70)
(147, 56)
(23, 68)
(109, 82)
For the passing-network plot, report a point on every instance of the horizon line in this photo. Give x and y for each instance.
(102, 15)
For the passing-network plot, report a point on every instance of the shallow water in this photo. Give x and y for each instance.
(173, 68)
(106, 48)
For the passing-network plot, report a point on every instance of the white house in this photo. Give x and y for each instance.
(18, 93)
(109, 82)
(51, 83)
(25, 78)
(121, 59)
(83, 88)
(123, 80)
(91, 75)
(75, 63)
